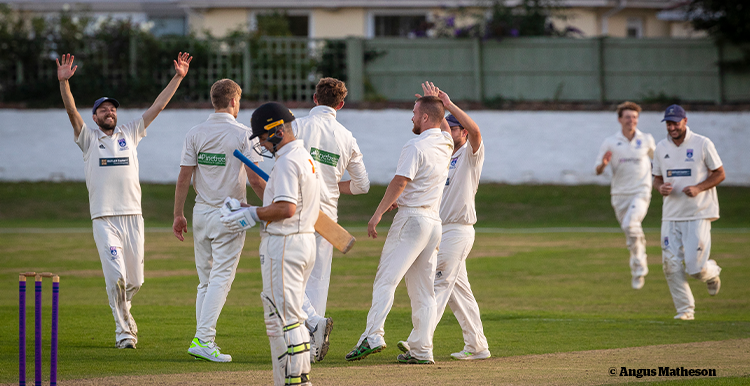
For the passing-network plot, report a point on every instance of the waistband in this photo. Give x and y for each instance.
(206, 206)
(452, 226)
(418, 211)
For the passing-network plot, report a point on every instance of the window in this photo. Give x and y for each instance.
(299, 25)
(275, 23)
(400, 26)
(634, 27)
(168, 26)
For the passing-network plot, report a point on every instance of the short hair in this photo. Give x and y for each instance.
(223, 91)
(627, 105)
(330, 92)
(432, 106)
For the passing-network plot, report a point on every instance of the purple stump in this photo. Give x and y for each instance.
(53, 349)
(38, 331)
(22, 330)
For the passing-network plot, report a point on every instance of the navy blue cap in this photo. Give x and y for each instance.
(452, 121)
(268, 117)
(102, 100)
(674, 113)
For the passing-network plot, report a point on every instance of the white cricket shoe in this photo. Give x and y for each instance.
(685, 316)
(713, 286)
(468, 356)
(638, 282)
(403, 346)
(126, 343)
(208, 351)
(319, 340)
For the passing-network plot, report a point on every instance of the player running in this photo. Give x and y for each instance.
(291, 203)
(458, 214)
(207, 160)
(111, 167)
(335, 151)
(411, 245)
(687, 169)
(629, 152)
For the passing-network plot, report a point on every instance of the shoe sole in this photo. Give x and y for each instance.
(415, 362)
(326, 344)
(401, 347)
(199, 357)
(365, 354)
(471, 358)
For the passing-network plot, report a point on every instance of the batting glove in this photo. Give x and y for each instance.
(230, 205)
(241, 220)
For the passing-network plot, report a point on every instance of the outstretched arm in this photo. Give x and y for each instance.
(475, 136)
(181, 66)
(64, 72)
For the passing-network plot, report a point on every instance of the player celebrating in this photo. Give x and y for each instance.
(687, 169)
(458, 215)
(111, 166)
(334, 150)
(629, 152)
(291, 203)
(207, 157)
(411, 245)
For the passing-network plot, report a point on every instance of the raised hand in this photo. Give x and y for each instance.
(429, 89)
(444, 98)
(182, 64)
(66, 69)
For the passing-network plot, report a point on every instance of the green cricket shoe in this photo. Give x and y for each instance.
(407, 358)
(362, 351)
(208, 351)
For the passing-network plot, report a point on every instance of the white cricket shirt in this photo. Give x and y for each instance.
(111, 168)
(458, 206)
(687, 165)
(631, 162)
(293, 179)
(425, 161)
(334, 150)
(209, 147)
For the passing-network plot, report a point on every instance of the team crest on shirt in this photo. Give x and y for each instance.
(113, 252)
(638, 143)
(122, 143)
(453, 163)
(689, 155)
(666, 242)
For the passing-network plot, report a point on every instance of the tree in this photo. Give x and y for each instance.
(726, 20)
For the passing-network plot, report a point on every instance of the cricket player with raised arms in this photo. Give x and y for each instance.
(629, 153)
(686, 171)
(291, 203)
(458, 215)
(111, 167)
(410, 249)
(207, 160)
(334, 151)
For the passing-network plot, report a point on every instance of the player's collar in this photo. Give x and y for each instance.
(102, 134)
(430, 132)
(222, 116)
(288, 147)
(688, 135)
(322, 110)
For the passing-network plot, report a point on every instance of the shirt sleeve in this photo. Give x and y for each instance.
(712, 159)
(286, 182)
(360, 181)
(476, 156)
(656, 163)
(84, 139)
(602, 150)
(189, 157)
(408, 162)
(651, 146)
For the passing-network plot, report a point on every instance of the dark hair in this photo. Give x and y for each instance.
(223, 91)
(432, 106)
(627, 105)
(330, 92)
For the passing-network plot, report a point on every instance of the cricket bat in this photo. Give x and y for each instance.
(329, 229)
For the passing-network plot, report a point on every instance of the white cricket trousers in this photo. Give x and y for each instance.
(217, 253)
(286, 263)
(316, 291)
(410, 252)
(630, 210)
(452, 285)
(686, 247)
(119, 240)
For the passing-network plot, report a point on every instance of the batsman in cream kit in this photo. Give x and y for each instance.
(111, 167)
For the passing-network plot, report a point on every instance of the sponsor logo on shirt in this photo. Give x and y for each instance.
(633, 160)
(122, 143)
(447, 182)
(666, 156)
(102, 146)
(678, 173)
(212, 159)
(324, 157)
(117, 161)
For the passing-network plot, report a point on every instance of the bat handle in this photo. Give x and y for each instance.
(250, 164)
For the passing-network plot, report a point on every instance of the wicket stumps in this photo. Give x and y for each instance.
(37, 327)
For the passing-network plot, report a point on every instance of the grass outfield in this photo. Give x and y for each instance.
(540, 294)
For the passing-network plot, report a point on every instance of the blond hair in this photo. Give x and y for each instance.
(627, 105)
(223, 91)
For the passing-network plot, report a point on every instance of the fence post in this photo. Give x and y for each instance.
(19, 72)
(246, 67)
(600, 68)
(720, 99)
(478, 73)
(133, 55)
(355, 68)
